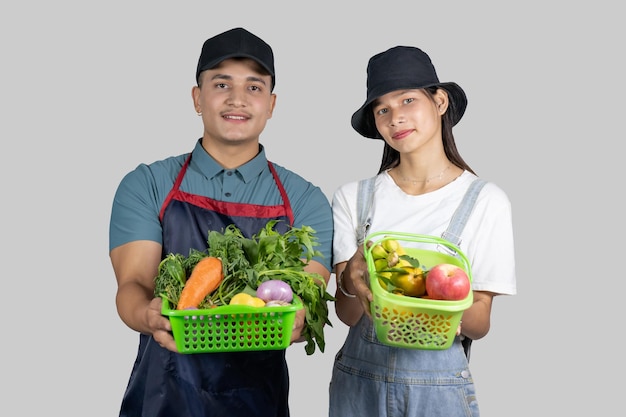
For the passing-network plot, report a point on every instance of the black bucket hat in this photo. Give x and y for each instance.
(236, 43)
(402, 67)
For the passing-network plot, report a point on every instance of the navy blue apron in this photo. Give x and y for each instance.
(237, 384)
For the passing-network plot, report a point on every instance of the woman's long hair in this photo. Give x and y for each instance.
(391, 157)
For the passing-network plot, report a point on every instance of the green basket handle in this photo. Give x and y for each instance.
(378, 237)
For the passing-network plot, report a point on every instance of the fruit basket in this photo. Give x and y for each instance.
(232, 328)
(413, 322)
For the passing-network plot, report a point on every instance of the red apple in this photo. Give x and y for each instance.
(447, 282)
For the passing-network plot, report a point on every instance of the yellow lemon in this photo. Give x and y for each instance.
(412, 283)
(246, 300)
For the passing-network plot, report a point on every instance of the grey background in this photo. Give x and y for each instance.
(91, 89)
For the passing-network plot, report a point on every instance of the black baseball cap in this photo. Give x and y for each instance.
(236, 43)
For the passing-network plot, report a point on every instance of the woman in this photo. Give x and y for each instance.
(421, 181)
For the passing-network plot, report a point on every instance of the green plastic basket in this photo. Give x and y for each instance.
(235, 328)
(412, 322)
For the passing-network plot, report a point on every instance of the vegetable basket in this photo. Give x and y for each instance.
(412, 322)
(232, 328)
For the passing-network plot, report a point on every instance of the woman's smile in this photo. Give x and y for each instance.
(402, 134)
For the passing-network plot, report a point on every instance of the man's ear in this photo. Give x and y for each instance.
(272, 105)
(195, 96)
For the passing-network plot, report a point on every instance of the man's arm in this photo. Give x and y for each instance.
(136, 265)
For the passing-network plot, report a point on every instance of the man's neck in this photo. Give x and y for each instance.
(231, 155)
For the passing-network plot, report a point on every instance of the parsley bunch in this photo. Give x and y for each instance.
(270, 255)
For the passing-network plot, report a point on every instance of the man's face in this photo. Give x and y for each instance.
(235, 100)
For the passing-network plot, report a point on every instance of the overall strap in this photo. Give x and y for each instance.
(459, 218)
(365, 195)
(455, 229)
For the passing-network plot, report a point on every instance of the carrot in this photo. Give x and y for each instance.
(205, 277)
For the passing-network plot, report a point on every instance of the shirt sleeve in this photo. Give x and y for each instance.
(135, 211)
(488, 243)
(312, 208)
(345, 222)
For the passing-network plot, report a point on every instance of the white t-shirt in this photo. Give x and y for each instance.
(487, 239)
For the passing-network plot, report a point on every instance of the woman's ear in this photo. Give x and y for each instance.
(441, 100)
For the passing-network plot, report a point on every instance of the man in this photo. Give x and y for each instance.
(169, 206)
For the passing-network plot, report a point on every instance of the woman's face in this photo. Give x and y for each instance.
(410, 119)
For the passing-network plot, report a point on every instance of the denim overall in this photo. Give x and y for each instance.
(238, 384)
(373, 379)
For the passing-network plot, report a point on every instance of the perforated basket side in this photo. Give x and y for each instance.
(418, 328)
(412, 322)
(232, 328)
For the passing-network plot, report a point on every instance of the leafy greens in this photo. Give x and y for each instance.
(248, 262)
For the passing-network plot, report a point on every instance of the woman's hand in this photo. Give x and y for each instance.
(358, 275)
(354, 279)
